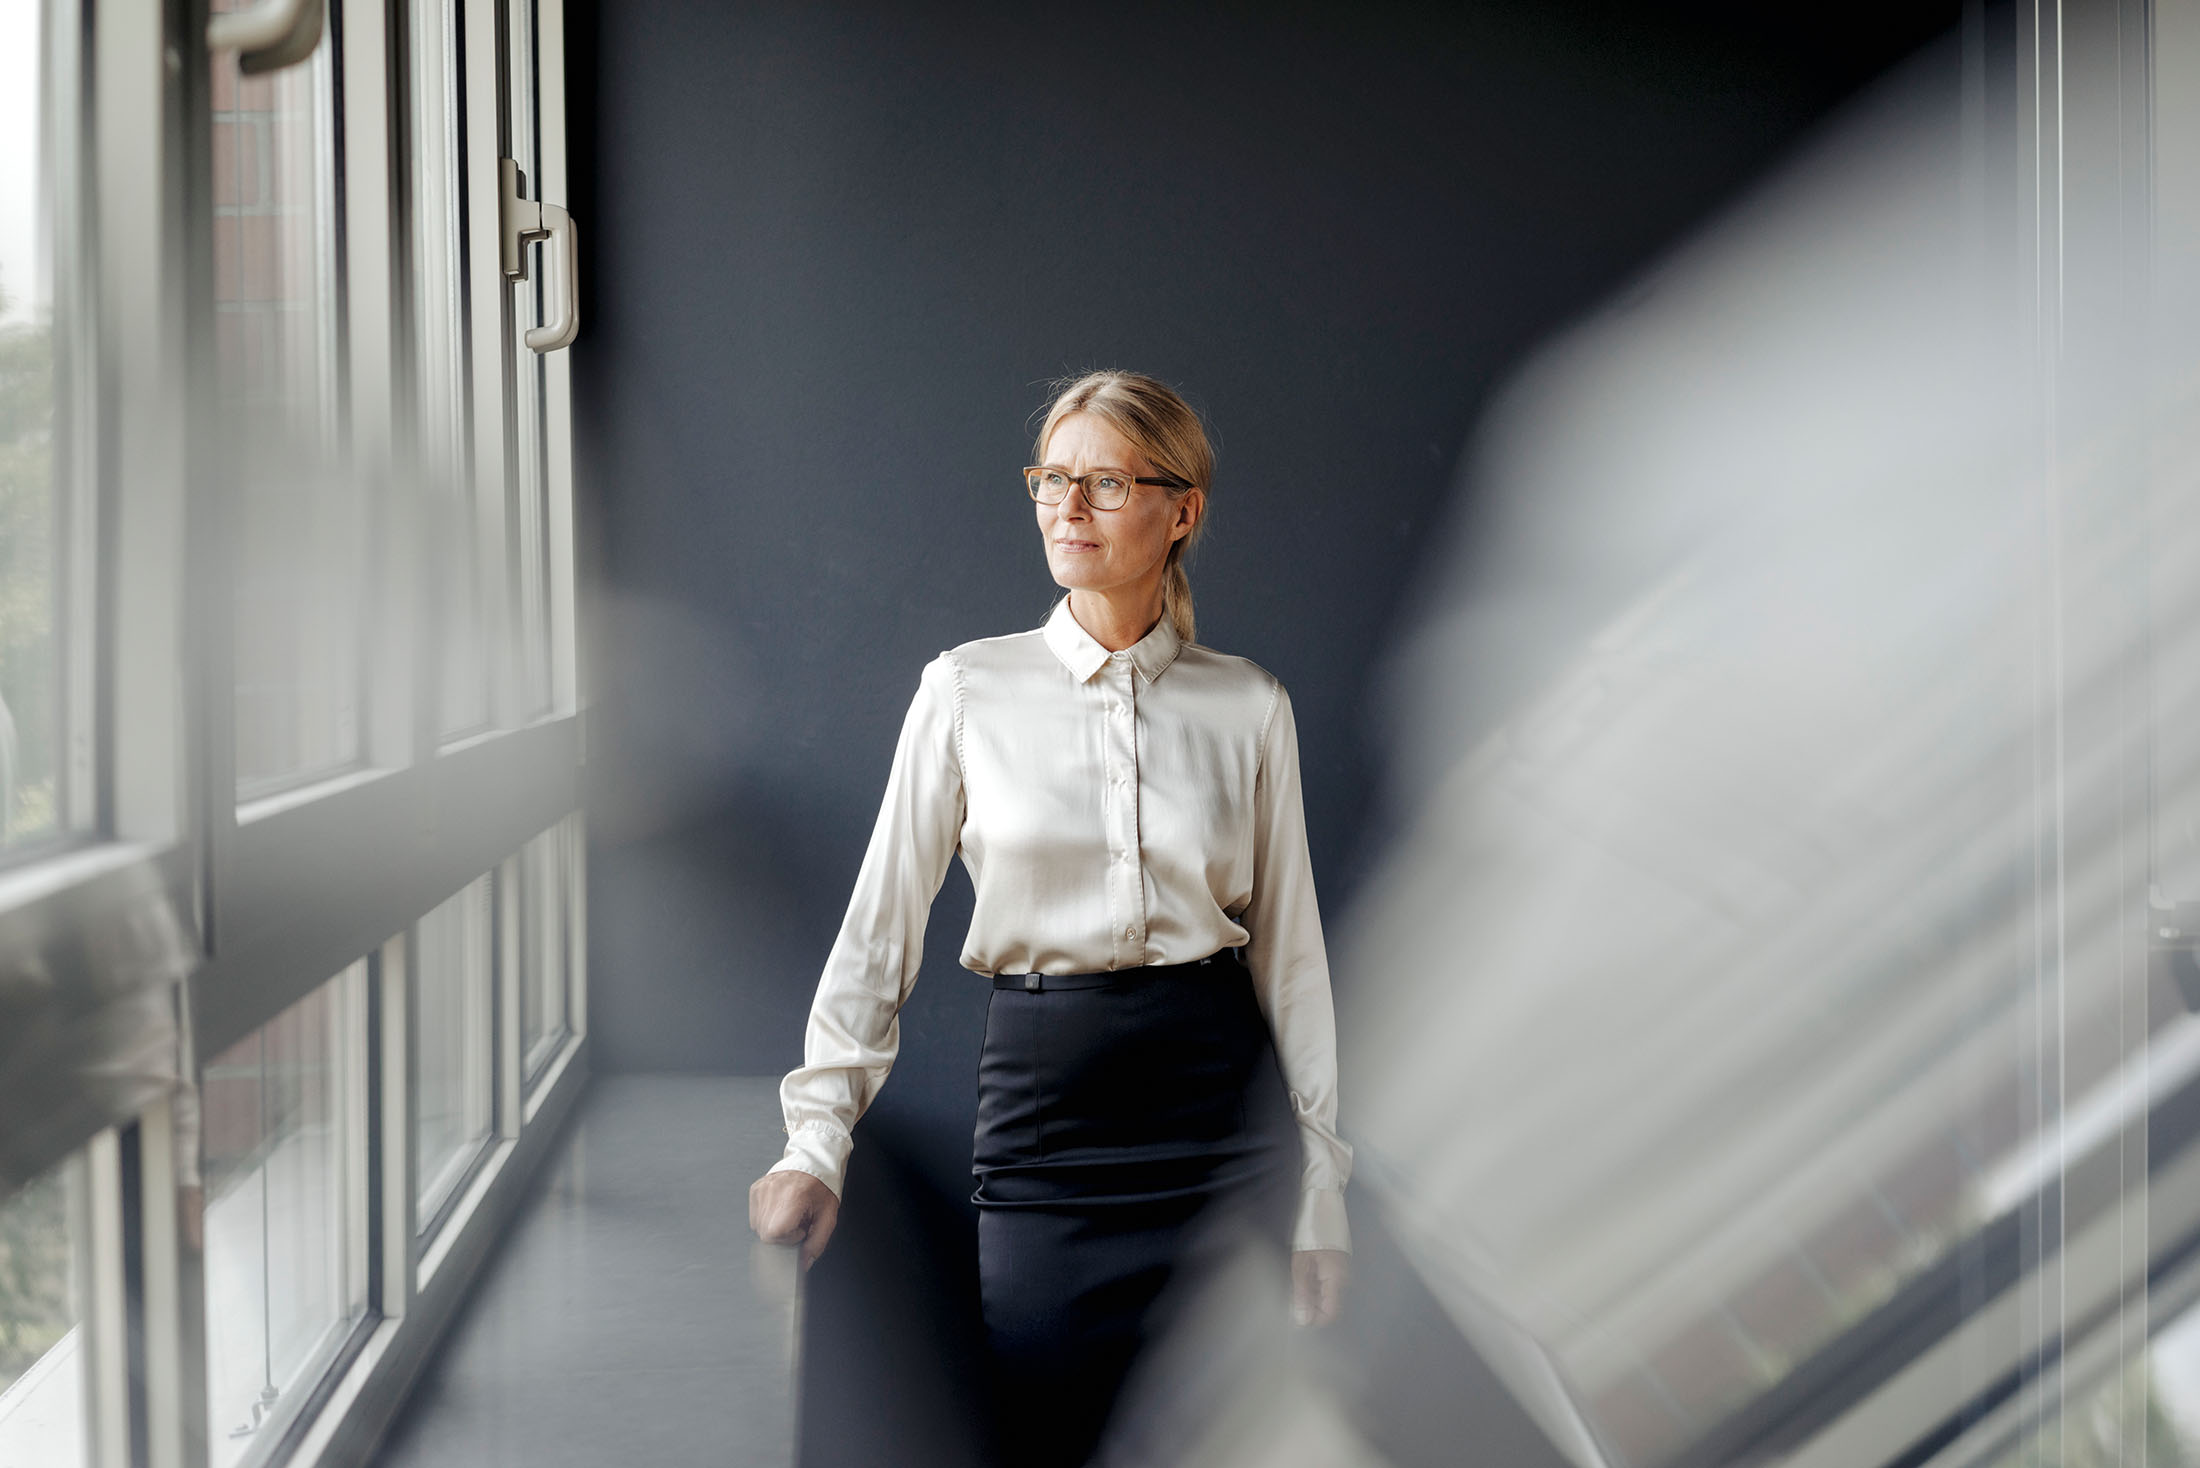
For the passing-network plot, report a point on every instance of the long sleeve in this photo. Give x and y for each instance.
(854, 1029)
(1290, 969)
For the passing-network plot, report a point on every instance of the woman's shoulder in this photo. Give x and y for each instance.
(1230, 670)
(1012, 652)
(1237, 691)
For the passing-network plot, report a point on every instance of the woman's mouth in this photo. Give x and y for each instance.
(1076, 546)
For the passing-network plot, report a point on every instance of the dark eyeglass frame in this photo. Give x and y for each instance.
(1032, 473)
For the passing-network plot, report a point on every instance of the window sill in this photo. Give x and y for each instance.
(265, 806)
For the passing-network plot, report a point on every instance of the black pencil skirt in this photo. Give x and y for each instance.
(1122, 1119)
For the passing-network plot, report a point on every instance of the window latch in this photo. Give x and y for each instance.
(529, 221)
(270, 36)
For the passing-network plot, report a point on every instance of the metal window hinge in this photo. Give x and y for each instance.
(529, 221)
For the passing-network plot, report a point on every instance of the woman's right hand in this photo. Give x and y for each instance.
(791, 1207)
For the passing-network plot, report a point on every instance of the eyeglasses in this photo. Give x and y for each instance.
(1104, 489)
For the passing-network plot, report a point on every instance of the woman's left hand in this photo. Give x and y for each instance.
(1318, 1278)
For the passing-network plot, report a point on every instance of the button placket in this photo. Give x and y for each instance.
(1124, 878)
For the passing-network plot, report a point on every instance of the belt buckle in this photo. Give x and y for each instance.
(1031, 983)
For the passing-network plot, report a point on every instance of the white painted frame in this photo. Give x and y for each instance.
(286, 891)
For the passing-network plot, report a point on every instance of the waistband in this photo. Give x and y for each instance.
(1042, 983)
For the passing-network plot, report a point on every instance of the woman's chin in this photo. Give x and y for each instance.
(1077, 572)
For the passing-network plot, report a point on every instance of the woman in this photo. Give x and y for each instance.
(1127, 803)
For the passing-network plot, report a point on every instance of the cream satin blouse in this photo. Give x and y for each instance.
(1114, 810)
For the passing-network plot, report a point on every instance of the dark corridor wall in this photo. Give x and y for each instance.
(833, 253)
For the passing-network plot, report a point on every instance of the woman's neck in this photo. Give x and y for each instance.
(1120, 616)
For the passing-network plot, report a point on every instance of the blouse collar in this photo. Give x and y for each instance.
(1083, 656)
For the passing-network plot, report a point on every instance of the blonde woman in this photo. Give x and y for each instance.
(1127, 803)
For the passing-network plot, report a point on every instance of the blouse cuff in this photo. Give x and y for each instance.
(819, 1150)
(1321, 1222)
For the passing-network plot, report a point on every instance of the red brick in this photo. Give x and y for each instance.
(247, 260)
(295, 176)
(239, 177)
(223, 70)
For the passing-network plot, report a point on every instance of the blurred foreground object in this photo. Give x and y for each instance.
(1752, 1028)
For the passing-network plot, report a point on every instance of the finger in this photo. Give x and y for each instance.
(1331, 1278)
(816, 1235)
(776, 1217)
(1303, 1290)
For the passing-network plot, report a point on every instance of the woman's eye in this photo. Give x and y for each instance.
(1110, 484)
(1055, 482)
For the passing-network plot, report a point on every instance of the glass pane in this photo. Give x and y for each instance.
(451, 995)
(545, 891)
(2173, 543)
(284, 1174)
(32, 530)
(530, 480)
(1786, 891)
(298, 529)
(43, 1416)
(441, 386)
(2145, 1412)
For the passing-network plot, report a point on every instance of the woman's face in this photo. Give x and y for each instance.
(1109, 550)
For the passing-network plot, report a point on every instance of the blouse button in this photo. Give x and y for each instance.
(1130, 932)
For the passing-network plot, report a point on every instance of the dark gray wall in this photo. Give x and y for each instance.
(835, 250)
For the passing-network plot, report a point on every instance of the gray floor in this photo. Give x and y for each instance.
(631, 1318)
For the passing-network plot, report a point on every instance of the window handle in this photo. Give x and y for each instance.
(560, 330)
(269, 36)
(527, 221)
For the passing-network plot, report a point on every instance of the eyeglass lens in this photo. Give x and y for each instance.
(1105, 489)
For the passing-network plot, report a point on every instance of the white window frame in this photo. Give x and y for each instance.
(272, 897)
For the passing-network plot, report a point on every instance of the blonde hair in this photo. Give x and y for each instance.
(1167, 431)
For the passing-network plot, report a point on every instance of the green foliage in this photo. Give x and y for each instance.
(27, 554)
(34, 1275)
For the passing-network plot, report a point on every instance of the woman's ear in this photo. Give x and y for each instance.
(1189, 507)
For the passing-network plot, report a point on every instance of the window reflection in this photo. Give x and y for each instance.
(545, 892)
(32, 719)
(439, 340)
(42, 1291)
(297, 523)
(1762, 981)
(452, 992)
(530, 586)
(2147, 1411)
(285, 1213)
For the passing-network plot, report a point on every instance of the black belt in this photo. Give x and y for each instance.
(1041, 983)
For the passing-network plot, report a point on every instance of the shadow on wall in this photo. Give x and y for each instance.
(703, 869)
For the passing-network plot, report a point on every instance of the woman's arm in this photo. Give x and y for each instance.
(854, 1030)
(1290, 968)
